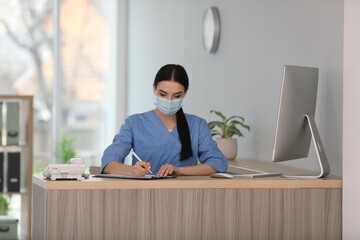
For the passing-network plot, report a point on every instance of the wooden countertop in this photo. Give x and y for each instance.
(200, 181)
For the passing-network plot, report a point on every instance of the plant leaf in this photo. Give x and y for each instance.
(234, 122)
(233, 130)
(213, 124)
(232, 117)
(215, 133)
(219, 114)
(245, 126)
(65, 150)
(227, 128)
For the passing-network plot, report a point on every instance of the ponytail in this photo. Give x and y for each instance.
(184, 135)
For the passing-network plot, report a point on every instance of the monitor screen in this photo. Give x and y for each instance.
(297, 98)
(295, 124)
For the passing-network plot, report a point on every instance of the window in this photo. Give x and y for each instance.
(26, 58)
(84, 83)
(84, 87)
(65, 53)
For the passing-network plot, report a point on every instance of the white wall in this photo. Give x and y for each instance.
(351, 130)
(243, 78)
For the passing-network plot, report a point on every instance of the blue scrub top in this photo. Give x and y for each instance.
(153, 143)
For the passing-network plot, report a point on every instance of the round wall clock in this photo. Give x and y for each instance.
(211, 29)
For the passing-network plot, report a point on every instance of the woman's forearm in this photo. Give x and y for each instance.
(118, 168)
(123, 169)
(201, 169)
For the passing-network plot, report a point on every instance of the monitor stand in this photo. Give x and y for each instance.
(320, 152)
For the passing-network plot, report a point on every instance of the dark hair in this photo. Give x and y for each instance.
(173, 72)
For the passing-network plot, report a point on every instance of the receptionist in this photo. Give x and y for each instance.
(167, 141)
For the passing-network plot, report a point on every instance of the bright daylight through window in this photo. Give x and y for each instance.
(83, 82)
(62, 53)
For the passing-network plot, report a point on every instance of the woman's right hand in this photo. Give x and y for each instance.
(140, 169)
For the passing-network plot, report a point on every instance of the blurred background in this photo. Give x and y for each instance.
(72, 98)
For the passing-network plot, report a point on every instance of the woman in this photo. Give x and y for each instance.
(168, 141)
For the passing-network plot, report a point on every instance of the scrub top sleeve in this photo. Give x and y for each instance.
(209, 153)
(120, 147)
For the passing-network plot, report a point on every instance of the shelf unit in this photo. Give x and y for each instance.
(25, 147)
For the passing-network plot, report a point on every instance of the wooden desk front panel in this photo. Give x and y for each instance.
(187, 214)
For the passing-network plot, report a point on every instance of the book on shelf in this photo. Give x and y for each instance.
(12, 123)
(13, 176)
(1, 171)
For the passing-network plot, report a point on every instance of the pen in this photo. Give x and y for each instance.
(137, 157)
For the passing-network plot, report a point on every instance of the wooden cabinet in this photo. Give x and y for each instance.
(17, 143)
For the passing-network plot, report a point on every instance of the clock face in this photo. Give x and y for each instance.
(211, 29)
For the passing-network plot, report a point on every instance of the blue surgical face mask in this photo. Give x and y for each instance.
(166, 106)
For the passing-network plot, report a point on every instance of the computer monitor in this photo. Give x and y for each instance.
(295, 124)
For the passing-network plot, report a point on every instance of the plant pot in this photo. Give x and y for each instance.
(228, 146)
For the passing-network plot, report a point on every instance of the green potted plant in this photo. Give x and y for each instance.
(4, 205)
(226, 129)
(65, 150)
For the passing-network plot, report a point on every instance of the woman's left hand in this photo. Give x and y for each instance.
(167, 170)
